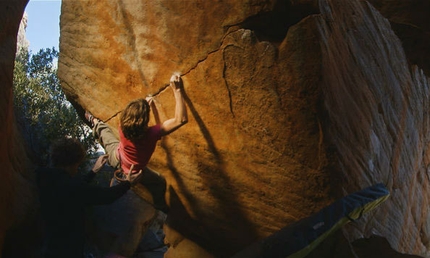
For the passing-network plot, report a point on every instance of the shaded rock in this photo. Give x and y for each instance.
(18, 217)
(118, 228)
(410, 22)
(376, 246)
(377, 121)
(337, 246)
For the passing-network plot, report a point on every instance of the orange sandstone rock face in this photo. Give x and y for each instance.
(290, 107)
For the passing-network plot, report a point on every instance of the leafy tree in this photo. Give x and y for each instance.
(41, 107)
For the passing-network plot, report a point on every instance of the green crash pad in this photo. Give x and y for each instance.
(300, 238)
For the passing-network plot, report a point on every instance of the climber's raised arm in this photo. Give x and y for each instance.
(151, 102)
(181, 116)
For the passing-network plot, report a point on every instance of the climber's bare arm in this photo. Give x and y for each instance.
(181, 116)
(151, 102)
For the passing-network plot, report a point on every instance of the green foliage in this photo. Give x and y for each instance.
(41, 107)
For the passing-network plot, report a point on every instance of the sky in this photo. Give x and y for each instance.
(43, 25)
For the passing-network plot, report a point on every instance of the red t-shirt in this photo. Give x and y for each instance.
(138, 152)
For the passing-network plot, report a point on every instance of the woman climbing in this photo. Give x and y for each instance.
(137, 140)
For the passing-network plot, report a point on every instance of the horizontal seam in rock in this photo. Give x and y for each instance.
(162, 88)
(114, 115)
(194, 67)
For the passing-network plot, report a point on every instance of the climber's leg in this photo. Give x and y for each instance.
(156, 185)
(103, 133)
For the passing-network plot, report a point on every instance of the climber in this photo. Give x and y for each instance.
(137, 140)
(64, 194)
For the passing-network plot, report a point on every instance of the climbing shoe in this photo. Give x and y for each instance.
(90, 118)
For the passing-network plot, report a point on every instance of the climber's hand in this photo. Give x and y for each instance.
(133, 178)
(176, 82)
(150, 100)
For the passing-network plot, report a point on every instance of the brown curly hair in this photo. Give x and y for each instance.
(65, 152)
(134, 119)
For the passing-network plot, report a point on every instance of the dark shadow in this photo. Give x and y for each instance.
(181, 221)
(337, 246)
(375, 247)
(415, 42)
(79, 109)
(220, 237)
(24, 239)
(334, 246)
(273, 26)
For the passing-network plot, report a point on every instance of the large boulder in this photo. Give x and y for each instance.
(292, 104)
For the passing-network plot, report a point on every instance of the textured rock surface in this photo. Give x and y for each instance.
(282, 120)
(410, 22)
(378, 121)
(17, 203)
(337, 246)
